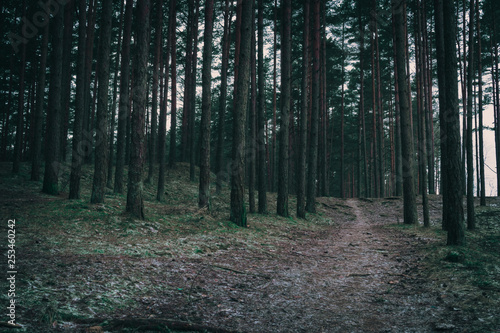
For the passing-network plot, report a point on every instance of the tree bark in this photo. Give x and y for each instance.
(206, 107)
(162, 129)
(135, 201)
(173, 106)
(238, 210)
(282, 204)
(78, 153)
(454, 212)
(219, 154)
(301, 186)
(52, 140)
(20, 106)
(123, 112)
(313, 145)
(101, 151)
(261, 115)
(480, 110)
(471, 217)
(69, 8)
(410, 205)
(251, 142)
(40, 94)
(114, 102)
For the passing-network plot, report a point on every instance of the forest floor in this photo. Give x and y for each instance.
(353, 267)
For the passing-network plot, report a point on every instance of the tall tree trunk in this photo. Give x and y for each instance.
(376, 185)
(101, 152)
(301, 188)
(123, 111)
(454, 211)
(410, 205)
(192, 98)
(480, 109)
(40, 98)
(313, 145)
(238, 210)
(188, 72)
(272, 174)
(69, 8)
(398, 153)
(206, 107)
(173, 106)
(261, 115)
(20, 106)
(162, 130)
(219, 154)
(154, 106)
(282, 204)
(78, 145)
(251, 142)
(89, 57)
(135, 201)
(52, 140)
(114, 101)
(471, 218)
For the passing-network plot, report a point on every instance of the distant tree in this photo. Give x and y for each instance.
(480, 109)
(206, 106)
(69, 9)
(101, 148)
(238, 210)
(135, 201)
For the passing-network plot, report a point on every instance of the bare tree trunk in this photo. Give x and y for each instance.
(471, 217)
(135, 201)
(192, 93)
(20, 106)
(301, 188)
(206, 108)
(52, 140)
(69, 8)
(454, 211)
(261, 118)
(313, 145)
(282, 204)
(173, 106)
(238, 210)
(480, 110)
(101, 152)
(410, 205)
(123, 113)
(219, 154)
(40, 94)
(185, 139)
(114, 102)
(251, 142)
(78, 154)
(162, 130)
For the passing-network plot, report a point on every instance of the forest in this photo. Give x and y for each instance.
(250, 165)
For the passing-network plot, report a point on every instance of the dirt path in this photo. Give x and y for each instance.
(356, 276)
